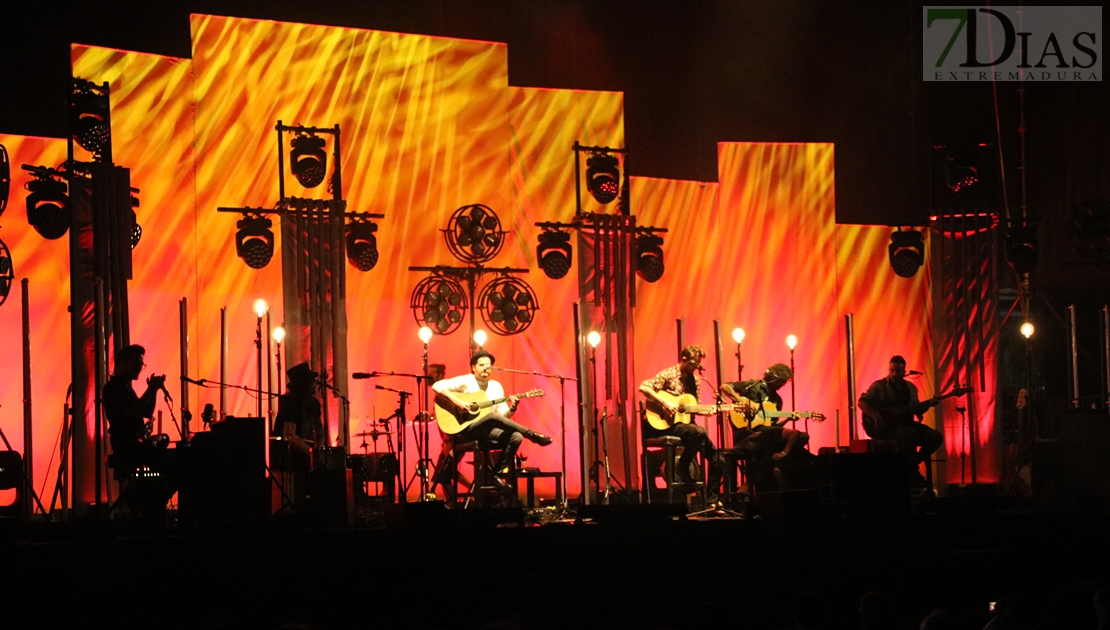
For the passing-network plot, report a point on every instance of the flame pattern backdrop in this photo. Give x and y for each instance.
(430, 124)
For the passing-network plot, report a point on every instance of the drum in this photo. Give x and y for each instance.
(372, 467)
(329, 458)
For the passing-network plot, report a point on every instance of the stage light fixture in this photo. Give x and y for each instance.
(554, 253)
(907, 252)
(603, 177)
(136, 229)
(254, 240)
(308, 160)
(7, 272)
(508, 305)
(260, 307)
(439, 302)
(649, 257)
(5, 178)
(362, 245)
(278, 334)
(474, 234)
(480, 338)
(48, 208)
(425, 334)
(1021, 248)
(89, 116)
(738, 335)
(1027, 330)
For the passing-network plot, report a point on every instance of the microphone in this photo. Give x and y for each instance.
(390, 389)
(913, 373)
(362, 375)
(700, 368)
(201, 382)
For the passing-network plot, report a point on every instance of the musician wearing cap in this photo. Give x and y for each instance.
(889, 407)
(496, 426)
(298, 417)
(664, 388)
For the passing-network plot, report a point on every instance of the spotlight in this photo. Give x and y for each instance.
(603, 177)
(279, 334)
(7, 272)
(254, 242)
(508, 305)
(960, 177)
(649, 257)
(738, 335)
(260, 307)
(48, 206)
(480, 338)
(791, 342)
(362, 245)
(89, 118)
(474, 234)
(907, 252)
(425, 334)
(1027, 330)
(439, 303)
(594, 338)
(307, 160)
(554, 253)
(1021, 249)
(136, 229)
(5, 178)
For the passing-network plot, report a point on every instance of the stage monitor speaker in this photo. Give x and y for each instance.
(866, 482)
(1076, 464)
(331, 497)
(224, 472)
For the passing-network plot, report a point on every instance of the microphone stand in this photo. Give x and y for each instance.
(400, 415)
(562, 417)
(714, 510)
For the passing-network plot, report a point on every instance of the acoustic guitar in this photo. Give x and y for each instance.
(688, 407)
(478, 406)
(743, 416)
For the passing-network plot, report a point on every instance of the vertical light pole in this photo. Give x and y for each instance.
(279, 336)
(792, 342)
(425, 335)
(594, 338)
(738, 337)
(260, 308)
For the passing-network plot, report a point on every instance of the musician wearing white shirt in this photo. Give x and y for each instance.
(496, 427)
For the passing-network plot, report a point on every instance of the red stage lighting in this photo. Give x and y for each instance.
(308, 161)
(603, 177)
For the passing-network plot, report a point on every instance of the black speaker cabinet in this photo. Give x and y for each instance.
(866, 482)
(223, 472)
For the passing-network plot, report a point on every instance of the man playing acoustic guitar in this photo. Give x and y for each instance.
(676, 381)
(889, 407)
(495, 426)
(778, 452)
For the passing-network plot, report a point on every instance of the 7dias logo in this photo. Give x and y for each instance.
(1012, 44)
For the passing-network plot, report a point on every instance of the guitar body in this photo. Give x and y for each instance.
(453, 419)
(658, 417)
(767, 416)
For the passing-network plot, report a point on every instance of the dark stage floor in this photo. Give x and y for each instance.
(633, 567)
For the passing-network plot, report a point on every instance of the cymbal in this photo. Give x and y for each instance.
(374, 433)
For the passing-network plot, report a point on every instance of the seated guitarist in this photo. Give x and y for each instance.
(889, 407)
(778, 452)
(678, 380)
(496, 426)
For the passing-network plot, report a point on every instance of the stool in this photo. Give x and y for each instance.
(530, 475)
(483, 461)
(668, 445)
(734, 461)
